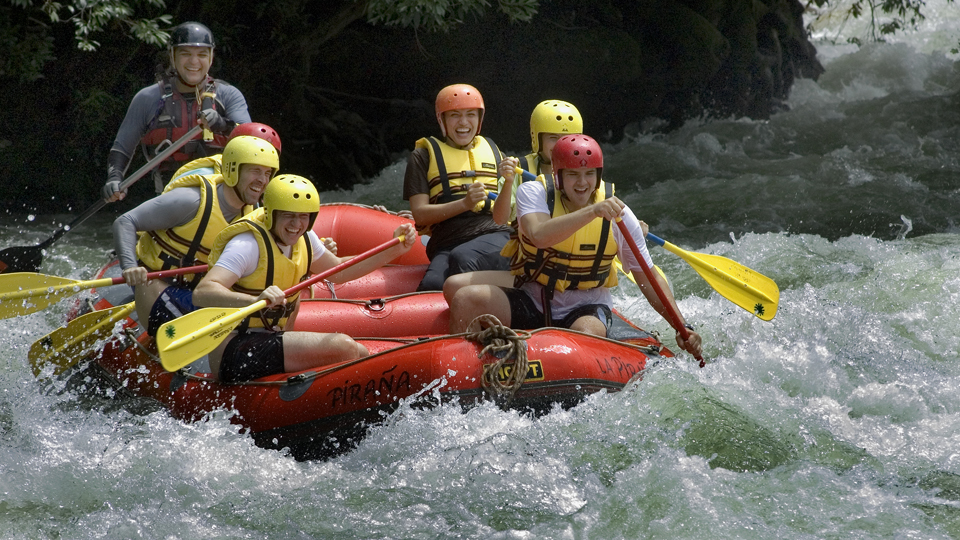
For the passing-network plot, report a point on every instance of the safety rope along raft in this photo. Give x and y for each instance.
(505, 376)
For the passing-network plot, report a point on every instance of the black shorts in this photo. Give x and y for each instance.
(252, 355)
(172, 303)
(524, 314)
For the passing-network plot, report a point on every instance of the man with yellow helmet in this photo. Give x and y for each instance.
(177, 228)
(550, 120)
(211, 164)
(562, 254)
(448, 183)
(162, 113)
(259, 257)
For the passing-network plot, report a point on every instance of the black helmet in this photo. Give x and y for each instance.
(191, 34)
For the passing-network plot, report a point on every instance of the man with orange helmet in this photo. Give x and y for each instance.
(161, 113)
(562, 254)
(448, 183)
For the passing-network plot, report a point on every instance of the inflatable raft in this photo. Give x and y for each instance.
(324, 411)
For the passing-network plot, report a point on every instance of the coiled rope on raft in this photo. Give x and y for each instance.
(509, 348)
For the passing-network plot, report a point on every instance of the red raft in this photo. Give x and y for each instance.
(324, 411)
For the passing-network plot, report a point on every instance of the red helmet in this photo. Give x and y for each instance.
(458, 96)
(260, 131)
(575, 152)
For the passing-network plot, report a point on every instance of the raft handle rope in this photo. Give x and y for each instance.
(509, 348)
(405, 342)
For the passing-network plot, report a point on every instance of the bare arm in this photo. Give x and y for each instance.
(214, 290)
(504, 203)
(329, 260)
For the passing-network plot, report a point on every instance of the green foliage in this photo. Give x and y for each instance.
(28, 38)
(887, 17)
(442, 15)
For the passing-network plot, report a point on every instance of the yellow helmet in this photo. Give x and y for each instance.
(553, 116)
(246, 150)
(290, 193)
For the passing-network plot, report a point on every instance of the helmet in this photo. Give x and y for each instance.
(290, 193)
(574, 152)
(458, 96)
(191, 34)
(255, 129)
(553, 116)
(244, 150)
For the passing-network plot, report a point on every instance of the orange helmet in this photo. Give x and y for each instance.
(458, 96)
(260, 131)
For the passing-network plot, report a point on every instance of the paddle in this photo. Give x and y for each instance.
(204, 329)
(46, 290)
(746, 288)
(65, 346)
(673, 316)
(29, 258)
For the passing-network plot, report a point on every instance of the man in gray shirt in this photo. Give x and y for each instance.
(164, 112)
(179, 226)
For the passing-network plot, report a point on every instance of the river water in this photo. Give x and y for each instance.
(838, 419)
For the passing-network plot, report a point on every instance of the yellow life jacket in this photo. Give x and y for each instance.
(273, 268)
(531, 163)
(188, 244)
(452, 171)
(206, 166)
(582, 261)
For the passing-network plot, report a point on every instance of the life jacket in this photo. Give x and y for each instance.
(584, 260)
(206, 166)
(175, 116)
(273, 268)
(188, 244)
(452, 171)
(531, 163)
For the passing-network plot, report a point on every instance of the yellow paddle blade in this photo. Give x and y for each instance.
(746, 288)
(26, 292)
(66, 346)
(183, 340)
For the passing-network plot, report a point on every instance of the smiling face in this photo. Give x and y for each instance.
(461, 125)
(288, 227)
(253, 179)
(192, 63)
(579, 185)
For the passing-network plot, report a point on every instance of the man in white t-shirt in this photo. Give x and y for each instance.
(563, 253)
(261, 256)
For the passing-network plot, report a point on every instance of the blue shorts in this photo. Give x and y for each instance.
(172, 303)
(252, 355)
(524, 314)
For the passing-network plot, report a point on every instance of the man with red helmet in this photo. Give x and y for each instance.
(161, 113)
(448, 183)
(562, 254)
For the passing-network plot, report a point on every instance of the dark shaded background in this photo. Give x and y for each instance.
(348, 97)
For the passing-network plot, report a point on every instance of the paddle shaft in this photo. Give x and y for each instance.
(242, 313)
(672, 314)
(94, 283)
(129, 181)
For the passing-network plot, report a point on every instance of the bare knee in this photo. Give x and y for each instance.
(469, 303)
(590, 325)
